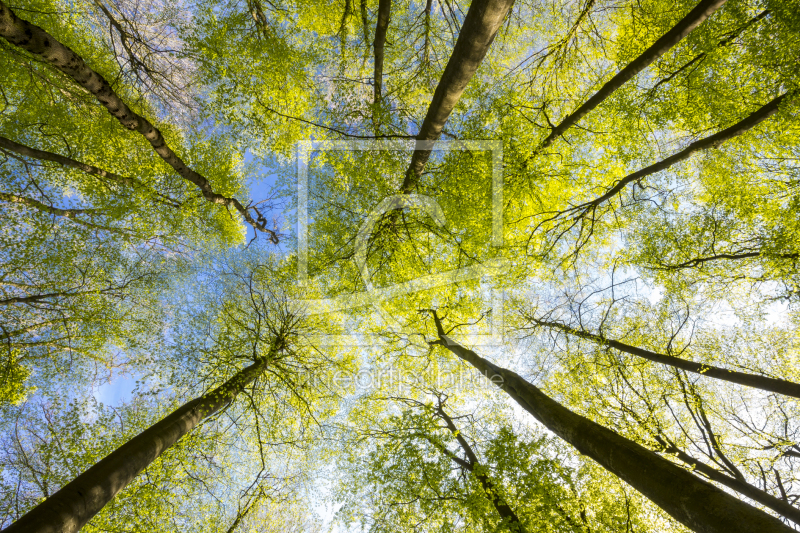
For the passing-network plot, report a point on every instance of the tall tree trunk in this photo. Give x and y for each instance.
(698, 261)
(73, 215)
(69, 509)
(481, 24)
(364, 22)
(45, 47)
(379, 46)
(472, 464)
(426, 57)
(781, 386)
(702, 55)
(693, 502)
(694, 18)
(21, 149)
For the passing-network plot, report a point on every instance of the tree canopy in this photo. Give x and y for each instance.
(387, 266)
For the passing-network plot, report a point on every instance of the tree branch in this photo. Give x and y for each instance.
(41, 44)
(480, 27)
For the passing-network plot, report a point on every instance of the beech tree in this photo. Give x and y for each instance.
(484, 472)
(611, 237)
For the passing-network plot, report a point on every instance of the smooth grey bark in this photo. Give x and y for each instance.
(694, 18)
(480, 27)
(69, 509)
(379, 46)
(692, 501)
(45, 47)
(781, 386)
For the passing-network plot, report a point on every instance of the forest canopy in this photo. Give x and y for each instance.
(399, 266)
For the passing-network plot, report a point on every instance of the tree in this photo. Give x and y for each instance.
(273, 344)
(641, 224)
(413, 468)
(697, 504)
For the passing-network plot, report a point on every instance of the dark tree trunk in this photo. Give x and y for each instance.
(472, 464)
(696, 16)
(693, 502)
(781, 386)
(379, 47)
(713, 141)
(69, 509)
(481, 24)
(21, 149)
(45, 47)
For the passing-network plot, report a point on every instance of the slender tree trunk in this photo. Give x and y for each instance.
(480, 27)
(472, 464)
(364, 22)
(70, 214)
(36, 204)
(69, 509)
(781, 386)
(39, 297)
(693, 502)
(17, 332)
(242, 514)
(21, 149)
(379, 46)
(694, 18)
(713, 141)
(742, 487)
(701, 56)
(426, 57)
(45, 47)
(697, 261)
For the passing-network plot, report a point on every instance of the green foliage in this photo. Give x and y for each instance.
(127, 268)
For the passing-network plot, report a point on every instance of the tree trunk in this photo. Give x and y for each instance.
(45, 47)
(33, 153)
(781, 386)
(481, 24)
(701, 56)
(694, 18)
(69, 509)
(379, 45)
(506, 513)
(693, 502)
(713, 141)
